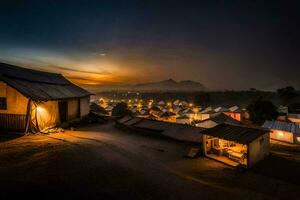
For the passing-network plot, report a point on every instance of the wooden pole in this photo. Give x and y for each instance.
(36, 119)
(28, 116)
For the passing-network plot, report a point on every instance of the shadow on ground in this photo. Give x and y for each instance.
(281, 168)
(6, 136)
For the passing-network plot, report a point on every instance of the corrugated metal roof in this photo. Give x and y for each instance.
(283, 126)
(207, 110)
(239, 134)
(124, 119)
(222, 118)
(133, 121)
(39, 86)
(233, 108)
(221, 109)
(173, 130)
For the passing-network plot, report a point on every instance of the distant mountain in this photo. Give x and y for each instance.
(166, 85)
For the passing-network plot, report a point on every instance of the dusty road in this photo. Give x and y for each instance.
(102, 162)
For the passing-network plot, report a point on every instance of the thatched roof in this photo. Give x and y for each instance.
(38, 85)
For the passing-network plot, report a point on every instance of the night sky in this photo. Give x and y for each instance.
(222, 44)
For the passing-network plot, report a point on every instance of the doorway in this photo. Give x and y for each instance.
(63, 111)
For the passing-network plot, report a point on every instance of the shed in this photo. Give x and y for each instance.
(284, 131)
(216, 120)
(171, 130)
(236, 113)
(183, 120)
(236, 145)
(33, 100)
(293, 117)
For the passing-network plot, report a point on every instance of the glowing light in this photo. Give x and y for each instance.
(280, 133)
(40, 109)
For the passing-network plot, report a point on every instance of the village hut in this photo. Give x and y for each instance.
(183, 120)
(216, 120)
(236, 145)
(168, 116)
(177, 110)
(176, 102)
(175, 131)
(284, 131)
(34, 101)
(294, 118)
(155, 111)
(183, 103)
(220, 109)
(161, 103)
(206, 114)
(190, 113)
(236, 113)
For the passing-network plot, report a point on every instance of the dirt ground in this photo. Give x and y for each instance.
(103, 162)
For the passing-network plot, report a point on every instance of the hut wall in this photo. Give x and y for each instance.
(84, 106)
(235, 115)
(14, 116)
(73, 109)
(47, 114)
(204, 116)
(295, 120)
(258, 149)
(183, 121)
(16, 102)
(282, 136)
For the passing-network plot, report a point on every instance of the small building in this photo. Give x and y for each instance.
(190, 113)
(175, 131)
(176, 102)
(236, 145)
(284, 131)
(161, 103)
(167, 116)
(220, 109)
(33, 101)
(183, 120)
(109, 110)
(216, 120)
(294, 118)
(183, 104)
(177, 110)
(206, 114)
(236, 113)
(155, 111)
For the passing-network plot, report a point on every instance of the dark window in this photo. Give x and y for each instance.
(3, 105)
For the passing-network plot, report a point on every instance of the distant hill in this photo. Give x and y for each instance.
(166, 85)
